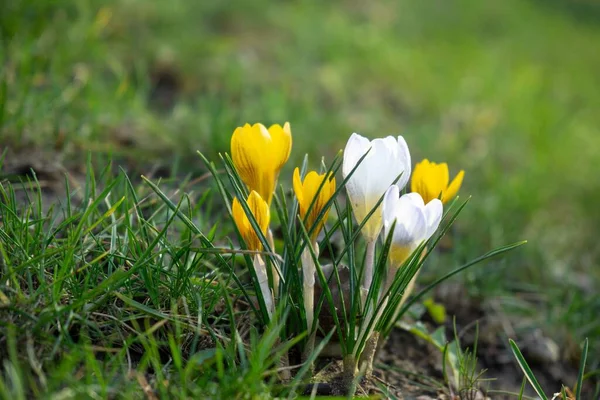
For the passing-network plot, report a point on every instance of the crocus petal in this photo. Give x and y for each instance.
(307, 192)
(246, 142)
(443, 175)
(415, 222)
(404, 159)
(391, 197)
(415, 198)
(409, 215)
(454, 187)
(382, 169)
(260, 210)
(356, 147)
(412, 222)
(297, 183)
(281, 144)
(433, 213)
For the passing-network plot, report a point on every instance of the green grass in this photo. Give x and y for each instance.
(114, 296)
(505, 90)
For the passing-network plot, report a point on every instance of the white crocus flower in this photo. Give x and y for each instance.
(415, 221)
(387, 159)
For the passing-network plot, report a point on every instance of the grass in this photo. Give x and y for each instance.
(504, 90)
(114, 282)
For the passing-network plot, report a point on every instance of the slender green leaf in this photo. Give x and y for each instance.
(578, 388)
(527, 370)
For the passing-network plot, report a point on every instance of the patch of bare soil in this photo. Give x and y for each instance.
(411, 368)
(23, 168)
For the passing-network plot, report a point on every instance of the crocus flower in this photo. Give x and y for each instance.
(415, 221)
(307, 190)
(260, 211)
(387, 159)
(431, 181)
(259, 154)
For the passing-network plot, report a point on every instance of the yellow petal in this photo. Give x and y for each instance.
(247, 149)
(306, 192)
(430, 188)
(281, 145)
(253, 155)
(298, 188)
(434, 181)
(443, 176)
(260, 210)
(454, 187)
(239, 217)
(417, 176)
(420, 179)
(326, 194)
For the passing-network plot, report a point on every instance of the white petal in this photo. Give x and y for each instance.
(404, 161)
(356, 188)
(415, 198)
(392, 195)
(412, 216)
(433, 212)
(356, 147)
(383, 168)
(411, 223)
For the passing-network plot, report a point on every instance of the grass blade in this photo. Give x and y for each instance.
(526, 370)
(584, 353)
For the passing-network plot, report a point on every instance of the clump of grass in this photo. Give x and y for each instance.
(108, 293)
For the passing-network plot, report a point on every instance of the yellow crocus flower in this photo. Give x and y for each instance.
(260, 210)
(259, 154)
(306, 191)
(431, 180)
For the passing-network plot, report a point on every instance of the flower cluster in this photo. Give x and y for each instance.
(375, 175)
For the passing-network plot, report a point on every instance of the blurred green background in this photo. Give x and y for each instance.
(506, 90)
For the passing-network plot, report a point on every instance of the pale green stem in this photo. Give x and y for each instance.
(263, 281)
(409, 288)
(349, 373)
(364, 291)
(308, 273)
(368, 273)
(368, 357)
(273, 269)
(407, 292)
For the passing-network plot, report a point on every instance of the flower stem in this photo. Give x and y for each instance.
(308, 272)
(409, 288)
(273, 270)
(368, 273)
(263, 281)
(349, 372)
(368, 356)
